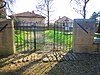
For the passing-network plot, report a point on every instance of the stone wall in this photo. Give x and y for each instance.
(7, 38)
(83, 35)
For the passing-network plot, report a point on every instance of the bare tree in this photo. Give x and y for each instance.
(4, 4)
(94, 15)
(44, 7)
(80, 6)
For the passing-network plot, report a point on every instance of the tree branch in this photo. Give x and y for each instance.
(3, 5)
(80, 4)
(42, 12)
(87, 1)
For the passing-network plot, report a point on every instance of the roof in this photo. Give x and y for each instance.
(27, 14)
(60, 20)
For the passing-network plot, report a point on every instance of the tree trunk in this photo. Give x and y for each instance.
(84, 10)
(48, 13)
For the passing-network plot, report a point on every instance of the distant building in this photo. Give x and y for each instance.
(29, 17)
(65, 22)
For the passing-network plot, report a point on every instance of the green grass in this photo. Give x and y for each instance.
(60, 38)
(20, 36)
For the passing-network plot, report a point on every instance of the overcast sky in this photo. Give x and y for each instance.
(60, 7)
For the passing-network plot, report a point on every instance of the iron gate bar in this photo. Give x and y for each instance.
(32, 34)
(57, 36)
(35, 36)
(24, 35)
(44, 34)
(54, 37)
(66, 39)
(60, 36)
(20, 39)
(27, 38)
(64, 36)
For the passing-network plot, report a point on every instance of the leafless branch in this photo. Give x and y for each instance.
(45, 8)
(3, 4)
(81, 6)
(42, 12)
(8, 7)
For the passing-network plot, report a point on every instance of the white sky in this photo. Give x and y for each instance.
(61, 8)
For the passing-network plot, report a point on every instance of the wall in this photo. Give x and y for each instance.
(83, 35)
(7, 38)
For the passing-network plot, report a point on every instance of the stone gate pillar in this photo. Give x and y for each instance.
(7, 38)
(83, 35)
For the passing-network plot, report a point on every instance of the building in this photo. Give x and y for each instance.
(29, 17)
(64, 22)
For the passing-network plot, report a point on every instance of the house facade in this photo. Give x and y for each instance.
(64, 22)
(29, 17)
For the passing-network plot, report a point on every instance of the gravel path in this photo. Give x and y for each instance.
(40, 64)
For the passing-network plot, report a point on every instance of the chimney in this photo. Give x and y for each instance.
(59, 17)
(33, 11)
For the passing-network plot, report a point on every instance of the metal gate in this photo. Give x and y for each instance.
(35, 37)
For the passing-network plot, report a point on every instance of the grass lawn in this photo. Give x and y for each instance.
(25, 39)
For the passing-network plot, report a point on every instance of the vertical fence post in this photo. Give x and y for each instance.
(54, 37)
(63, 32)
(34, 36)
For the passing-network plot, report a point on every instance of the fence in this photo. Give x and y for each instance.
(30, 36)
